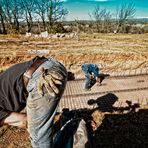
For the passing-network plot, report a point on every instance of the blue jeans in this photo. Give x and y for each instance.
(41, 110)
(89, 82)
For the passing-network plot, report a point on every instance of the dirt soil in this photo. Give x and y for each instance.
(114, 130)
(117, 52)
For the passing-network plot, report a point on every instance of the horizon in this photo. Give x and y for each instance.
(80, 9)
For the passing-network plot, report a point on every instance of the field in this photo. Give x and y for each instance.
(117, 52)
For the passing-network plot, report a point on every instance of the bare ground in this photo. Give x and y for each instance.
(116, 51)
(114, 130)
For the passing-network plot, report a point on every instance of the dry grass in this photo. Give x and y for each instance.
(116, 51)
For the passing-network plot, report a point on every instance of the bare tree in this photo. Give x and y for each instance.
(107, 21)
(16, 12)
(2, 19)
(7, 8)
(41, 7)
(55, 12)
(123, 13)
(102, 18)
(11, 10)
(50, 12)
(28, 8)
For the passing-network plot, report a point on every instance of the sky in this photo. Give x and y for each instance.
(80, 9)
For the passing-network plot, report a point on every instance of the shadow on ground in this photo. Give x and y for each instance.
(116, 128)
(120, 129)
(123, 130)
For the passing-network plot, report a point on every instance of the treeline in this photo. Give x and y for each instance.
(17, 14)
(119, 22)
(21, 16)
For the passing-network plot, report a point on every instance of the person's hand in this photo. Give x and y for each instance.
(98, 84)
(50, 80)
(16, 119)
(98, 81)
(92, 77)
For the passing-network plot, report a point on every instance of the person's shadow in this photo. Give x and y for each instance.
(120, 129)
(104, 103)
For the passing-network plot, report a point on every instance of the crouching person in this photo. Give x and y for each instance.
(91, 72)
(38, 85)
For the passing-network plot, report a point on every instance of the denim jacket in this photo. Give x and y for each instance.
(90, 69)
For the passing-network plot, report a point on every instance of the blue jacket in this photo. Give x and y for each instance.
(90, 69)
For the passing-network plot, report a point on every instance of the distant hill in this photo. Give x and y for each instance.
(140, 20)
(134, 20)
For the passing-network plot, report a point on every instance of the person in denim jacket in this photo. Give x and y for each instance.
(38, 85)
(91, 72)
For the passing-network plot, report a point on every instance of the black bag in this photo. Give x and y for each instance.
(71, 76)
(73, 124)
(64, 137)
